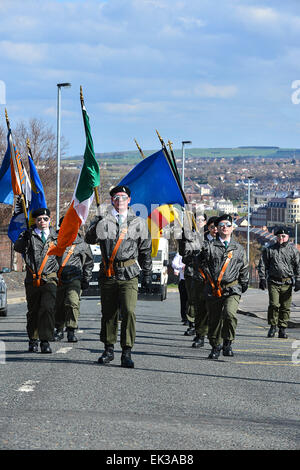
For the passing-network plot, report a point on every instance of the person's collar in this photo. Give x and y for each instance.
(39, 232)
(116, 214)
(222, 240)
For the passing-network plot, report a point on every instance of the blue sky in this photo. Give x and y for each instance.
(217, 72)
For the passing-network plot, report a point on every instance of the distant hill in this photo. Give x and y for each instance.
(131, 157)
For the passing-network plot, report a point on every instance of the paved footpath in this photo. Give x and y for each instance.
(255, 303)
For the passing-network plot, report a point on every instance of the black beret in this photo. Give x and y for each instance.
(120, 189)
(223, 217)
(212, 220)
(40, 211)
(281, 231)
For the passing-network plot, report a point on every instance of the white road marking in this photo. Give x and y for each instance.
(63, 350)
(28, 386)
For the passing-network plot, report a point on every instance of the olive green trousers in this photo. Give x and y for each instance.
(41, 310)
(118, 297)
(280, 299)
(67, 309)
(222, 319)
(189, 286)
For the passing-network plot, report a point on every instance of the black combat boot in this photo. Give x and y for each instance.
(33, 345)
(126, 360)
(282, 333)
(107, 355)
(191, 329)
(227, 350)
(58, 334)
(272, 331)
(45, 347)
(198, 342)
(71, 335)
(215, 352)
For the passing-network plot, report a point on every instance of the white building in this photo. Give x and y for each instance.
(224, 205)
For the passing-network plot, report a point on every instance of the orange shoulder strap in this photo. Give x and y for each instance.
(217, 291)
(202, 273)
(37, 277)
(63, 264)
(110, 270)
(225, 265)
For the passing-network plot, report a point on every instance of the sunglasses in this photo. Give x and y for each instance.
(42, 218)
(121, 198)
(224, 224)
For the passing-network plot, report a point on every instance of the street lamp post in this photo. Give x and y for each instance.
(183, 161)
(248, 228)
(296, 234)
(59, 86)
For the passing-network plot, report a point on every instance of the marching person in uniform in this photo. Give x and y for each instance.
(190, 246)
(178, 267)
(126, 246)
(278, 265)
(74, 274)
(201, 312)
(224, 264)
(41, 279)
(211, 233)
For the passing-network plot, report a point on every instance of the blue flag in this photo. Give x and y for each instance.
(6, 191)
(152, 183)
(18, 222)
(37, 191)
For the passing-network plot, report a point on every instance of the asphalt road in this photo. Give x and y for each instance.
(174, 398)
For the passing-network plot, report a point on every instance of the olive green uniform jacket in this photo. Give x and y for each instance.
(211, 260)
(137, 245)
(279, 264)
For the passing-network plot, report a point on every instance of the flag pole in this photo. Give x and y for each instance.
(96, 192)
(193, 222)
(22, 195)
(173, 156)
(28, 146)
(17, 169)
(140, 150)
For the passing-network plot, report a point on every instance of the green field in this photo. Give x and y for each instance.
(133, 157)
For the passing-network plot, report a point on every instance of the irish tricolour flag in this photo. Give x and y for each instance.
(88, 179)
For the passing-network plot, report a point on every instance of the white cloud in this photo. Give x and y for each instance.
(133, 107)
(269, 20)
(52, 112)
(191, 22)
(144, 59)
(206, 90)
(25, 53)
(262, 15)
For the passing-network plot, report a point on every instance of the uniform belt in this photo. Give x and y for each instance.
(229, 284)
(283, 279)
(124, 264)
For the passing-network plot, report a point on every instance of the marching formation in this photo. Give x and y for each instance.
(220, 276)
(213, 267)
(214, 275)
